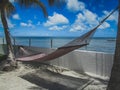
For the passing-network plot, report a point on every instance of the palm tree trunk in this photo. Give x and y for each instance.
(114, 82)
(10, 52)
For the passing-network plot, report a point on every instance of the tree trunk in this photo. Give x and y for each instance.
(114, 82)
(10, 51)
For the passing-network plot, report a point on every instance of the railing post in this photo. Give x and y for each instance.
(3, 40)
(86, 45)
(14, 41)
(51, 42)
(29, 42)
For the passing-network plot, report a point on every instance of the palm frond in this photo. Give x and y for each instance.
(3, 3)
(28, 3)
(56, 2)
(43, 8)
(9, 8)
(51, 2)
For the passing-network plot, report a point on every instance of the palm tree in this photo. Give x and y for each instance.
(6, 9)
(114, 82)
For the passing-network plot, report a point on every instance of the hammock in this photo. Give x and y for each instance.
(75, 44)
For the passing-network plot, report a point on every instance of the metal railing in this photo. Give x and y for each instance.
(29, 42)
(55, 43)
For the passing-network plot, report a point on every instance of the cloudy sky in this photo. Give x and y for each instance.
(72, 18)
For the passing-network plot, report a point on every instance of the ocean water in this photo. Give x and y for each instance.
(96, 44)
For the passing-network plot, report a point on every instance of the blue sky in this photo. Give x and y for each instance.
(73, 18)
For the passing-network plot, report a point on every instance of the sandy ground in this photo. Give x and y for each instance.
(46, 77)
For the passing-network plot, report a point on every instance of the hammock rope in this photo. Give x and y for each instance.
(75, 44)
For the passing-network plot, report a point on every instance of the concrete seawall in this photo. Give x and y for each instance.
(90, 62)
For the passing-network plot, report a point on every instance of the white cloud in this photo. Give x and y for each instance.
(16, 16)
(56, 19)
(57, 27)
(113, 17)
(84, 21)
(75, 5)
(88, 20)
(28, 24)
(77, 28)
(91, 18)
(10, 24)
(23, 24)
(104, 25)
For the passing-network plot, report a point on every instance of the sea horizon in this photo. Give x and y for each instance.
(99, 44)
(57, 37)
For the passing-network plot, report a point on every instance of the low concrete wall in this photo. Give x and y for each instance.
(2, 49)
(96, 63)
(91, 62)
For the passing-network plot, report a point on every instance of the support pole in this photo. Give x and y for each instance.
(29, 42)
(51, 42)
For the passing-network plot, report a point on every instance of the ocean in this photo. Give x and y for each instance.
(96, 44)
